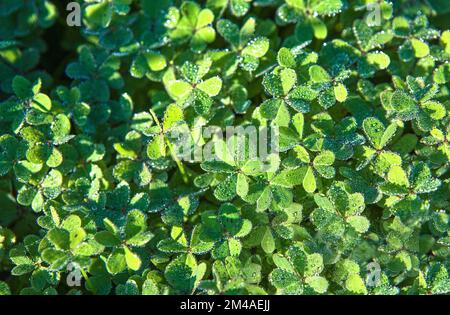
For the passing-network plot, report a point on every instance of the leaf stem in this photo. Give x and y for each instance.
(86, 278)
(180, 165)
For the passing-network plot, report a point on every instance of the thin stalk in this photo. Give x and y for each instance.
(86, 278)
(180, 165)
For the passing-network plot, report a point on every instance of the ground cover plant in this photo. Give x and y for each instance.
(96, 199)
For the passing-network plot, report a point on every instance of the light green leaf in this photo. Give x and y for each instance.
(211, 86)
(319, 74)
(133, 261)
(257, 47)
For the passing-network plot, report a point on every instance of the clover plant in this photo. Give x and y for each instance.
(109, 183)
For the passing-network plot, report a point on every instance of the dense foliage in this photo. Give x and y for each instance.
(356, 202)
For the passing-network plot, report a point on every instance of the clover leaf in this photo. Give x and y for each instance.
(246, 48)
(191, 23)
(298, 271)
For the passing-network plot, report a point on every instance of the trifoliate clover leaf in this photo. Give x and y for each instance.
(415, 32)
(99, 14)
(418, 180)
(133, 233)
(174, 208)
(233, 277)
(247, 49)
(377, 134)
(418, 105)
(191, 23)
(184, 273)
(307, 16)
(178, 242)
(4, 288)
(309, 171)
(298, 272)
(194, 91)
(224, 229)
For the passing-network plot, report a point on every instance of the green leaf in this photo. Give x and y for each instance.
(116, 262)
(4, 288)
(420, 48)
(322, 7)
(197, 244)
(378, 59)
(182, 273)
(239, 7)
(404, 105)
(283, 279)
(99, 284)
(204, 18)
(422, 179)
(359, 223)
(60, 128)
(106, 238)
(309, 181)
(397, 175)
(60, 238)
(374, 129)
(217, 167)
(99, 14)
(242, 185)
(257, 47)
(229, 31)
(268, 242)
(355, 285)
(318, 284)
(319, 74)
(264, 199)
(56, 258)
(325, 158)
(22, 269)
(178, 89)
(136, 223)
(211, 86)
(226, 190)
(129, 288)
(288, 79)
(155, 61)
(285, 58)
(442, 74)
(340, 92)
(133, 261)
(41, 102)
(22, 87)
(201, 101)
(149, 287)
(171, 246)
(319, 28)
